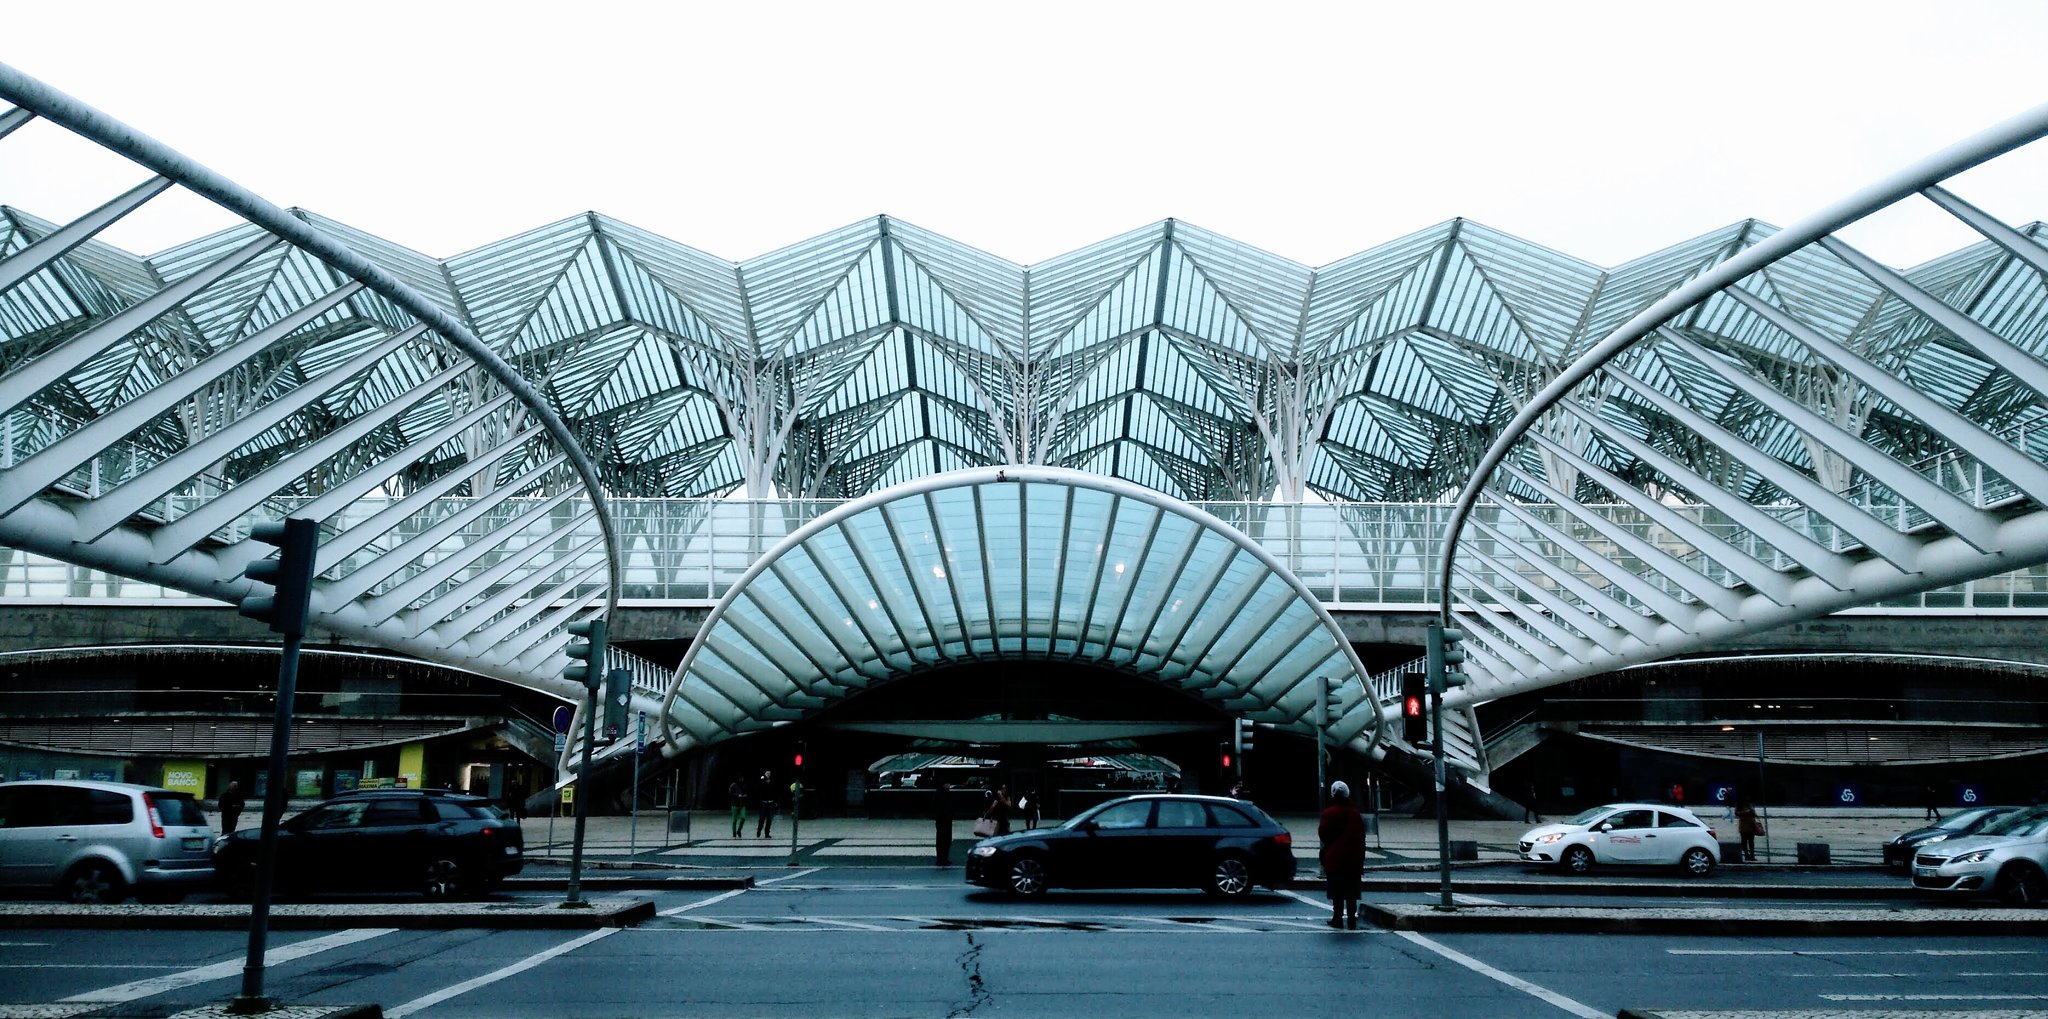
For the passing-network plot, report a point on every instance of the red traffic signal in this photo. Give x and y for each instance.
(1414, 710)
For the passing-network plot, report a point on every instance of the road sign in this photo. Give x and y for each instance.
(561, 742)
(640, 740)
(1848, 794)
(563, 716)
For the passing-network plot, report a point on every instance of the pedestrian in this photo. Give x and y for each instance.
(1342, 832)
(764, 807)
(1529, 813)
(1748, 826)
(1927, 796)
(231, 804)
(1677, 794)
(999, 809)
(942, 819)
(1030, 808)
(737, 793)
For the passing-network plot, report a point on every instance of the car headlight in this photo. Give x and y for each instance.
(1929, 840)
(1552, 837)
(1977, 857)
(982, 851)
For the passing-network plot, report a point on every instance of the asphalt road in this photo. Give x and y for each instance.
(917, 942)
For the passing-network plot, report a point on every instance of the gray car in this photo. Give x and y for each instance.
(2007, 858)
(98, 842)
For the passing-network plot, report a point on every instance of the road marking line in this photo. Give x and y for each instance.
(1182, 925)
(1292, 894)
(791, 877)
(1543, 993)
(733, 924)
(494, 976)
(1316, 925)
(222, 970)
(848, 924)
(720, 897)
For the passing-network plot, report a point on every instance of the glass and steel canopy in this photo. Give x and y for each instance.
(1001, 563)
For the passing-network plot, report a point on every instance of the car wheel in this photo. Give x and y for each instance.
(94, 883)
(2021, 884)
(1696, 862)
(1027, 875)
(1577, 859)
(1231, 877)
(444, 879)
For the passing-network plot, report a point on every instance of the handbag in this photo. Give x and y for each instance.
(984, 827)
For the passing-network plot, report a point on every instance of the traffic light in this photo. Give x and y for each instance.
(1224, 756)
(797, 759)
(290, 573)
(1243, 736)
(1414, 710)
(587, 654)
(1445, 658)
(618, 691)
(1330, 707)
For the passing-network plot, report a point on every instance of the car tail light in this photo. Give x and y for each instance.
(1285, 840)
(489, 833)
(156, 820)
(1712, 835)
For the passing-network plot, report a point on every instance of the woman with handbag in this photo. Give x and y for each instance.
(996, 819)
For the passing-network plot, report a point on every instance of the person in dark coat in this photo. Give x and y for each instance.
(764, 806)
(1342, 832)
(231, 804)
(1747, 826)
(942, 820)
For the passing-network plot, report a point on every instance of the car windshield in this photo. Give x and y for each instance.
(2020, 822)
(1586, 816)
(1962, 819)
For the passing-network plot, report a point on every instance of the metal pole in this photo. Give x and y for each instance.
(251, 998)
(574, 899)
(1766, 813)
(633, 825)
(1443, 819)
(1322, 743)
(796, 813)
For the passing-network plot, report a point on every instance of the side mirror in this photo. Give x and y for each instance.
(1088, 826)
(1605, 826)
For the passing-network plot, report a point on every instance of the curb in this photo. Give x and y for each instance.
(130, 1010)
(1535, 919)
(606, 912)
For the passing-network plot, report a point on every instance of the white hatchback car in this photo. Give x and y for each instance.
(1639, 834)
(2007, 858)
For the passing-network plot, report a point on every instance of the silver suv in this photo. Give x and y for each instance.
(102, 841)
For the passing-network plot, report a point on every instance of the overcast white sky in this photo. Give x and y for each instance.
(1604, 130)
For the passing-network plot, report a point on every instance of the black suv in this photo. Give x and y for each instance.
(434, 841)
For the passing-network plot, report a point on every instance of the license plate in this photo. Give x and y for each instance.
(511, 850)
(1924, 871)
(195, 842)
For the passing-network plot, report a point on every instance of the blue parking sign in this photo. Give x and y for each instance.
(1721, 794)
(1969, 794)
(1848, 794)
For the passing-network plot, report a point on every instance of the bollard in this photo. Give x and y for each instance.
(1813, 852)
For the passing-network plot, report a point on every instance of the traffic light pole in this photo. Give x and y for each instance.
(290, 575)
(1443, 817)
(251, 999)
(574, 899)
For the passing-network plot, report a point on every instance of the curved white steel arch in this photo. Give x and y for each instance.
(382, 399)
(1577, 570)
(1001, 563)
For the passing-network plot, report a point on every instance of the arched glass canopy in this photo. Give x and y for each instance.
(1006, 563)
